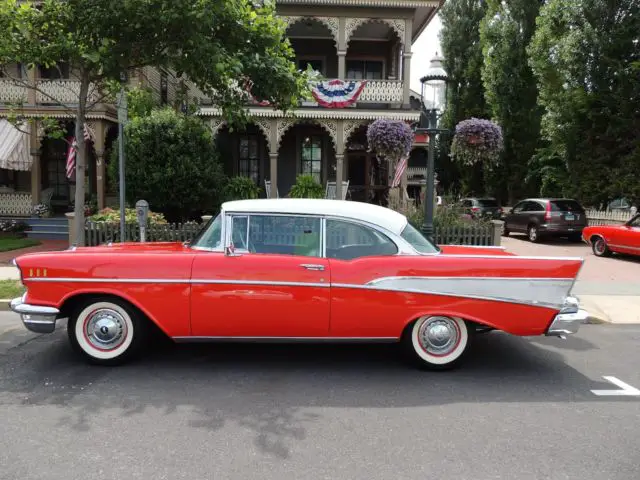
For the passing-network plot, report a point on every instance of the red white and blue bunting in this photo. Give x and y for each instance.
(337, 93)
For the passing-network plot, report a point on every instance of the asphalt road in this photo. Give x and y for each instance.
(519, 409)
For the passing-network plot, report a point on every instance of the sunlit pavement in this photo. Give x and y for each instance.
(518, 409)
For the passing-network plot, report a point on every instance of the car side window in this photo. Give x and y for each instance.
(519, 207)
(535, 207)
(239, 225)
(285, 235)
(348, 240)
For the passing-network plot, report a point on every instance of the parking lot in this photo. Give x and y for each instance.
(519, 408)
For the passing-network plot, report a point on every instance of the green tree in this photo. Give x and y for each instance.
(511, 90)
(586, 59)
(172, 163)
(219, 45)
(462, 52)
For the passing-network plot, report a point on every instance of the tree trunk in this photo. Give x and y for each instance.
(80, 159)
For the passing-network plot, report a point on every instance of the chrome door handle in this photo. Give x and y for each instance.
(312, 266)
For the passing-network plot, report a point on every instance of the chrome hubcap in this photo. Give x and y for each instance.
(439, 335)
(600, 246)
(106, 329)
(533, 234)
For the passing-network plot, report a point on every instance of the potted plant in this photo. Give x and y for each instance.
(477, 140)
(306, 187)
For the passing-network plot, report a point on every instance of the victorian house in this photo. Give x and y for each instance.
(362, 52)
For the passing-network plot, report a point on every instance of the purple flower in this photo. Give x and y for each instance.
(390, 139)
(477, 140)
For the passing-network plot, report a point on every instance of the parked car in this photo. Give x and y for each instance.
(297, 270)
(608, 239)
(546, 217)
(482, 207)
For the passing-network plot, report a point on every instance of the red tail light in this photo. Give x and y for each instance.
(475, 209)
(548, 214)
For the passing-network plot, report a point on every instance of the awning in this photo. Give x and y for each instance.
(14, 147)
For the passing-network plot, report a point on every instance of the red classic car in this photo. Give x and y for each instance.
(608, 239)
(298, 270)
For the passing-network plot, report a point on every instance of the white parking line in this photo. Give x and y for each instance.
(626, 389)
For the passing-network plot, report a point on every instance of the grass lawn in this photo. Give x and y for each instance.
(14, 243)
(10, 289)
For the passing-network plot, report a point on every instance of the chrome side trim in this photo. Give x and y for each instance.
(184, 339)
(108, 280)
(198, 281)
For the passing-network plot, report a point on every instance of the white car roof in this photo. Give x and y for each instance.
(367, 212)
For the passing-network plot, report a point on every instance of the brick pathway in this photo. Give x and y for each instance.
(45, 246)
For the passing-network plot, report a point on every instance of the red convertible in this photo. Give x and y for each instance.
(298, 270)
(608, 239)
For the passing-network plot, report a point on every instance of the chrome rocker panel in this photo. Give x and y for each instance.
(568, 321)
(36, 318)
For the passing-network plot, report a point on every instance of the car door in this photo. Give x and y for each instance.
(514, 220)
(273, 282)
(627, 238)
(355, 249)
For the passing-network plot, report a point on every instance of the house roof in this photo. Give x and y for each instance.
(374, 214)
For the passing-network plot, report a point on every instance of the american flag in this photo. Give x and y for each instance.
(402, 166)
(73, 147)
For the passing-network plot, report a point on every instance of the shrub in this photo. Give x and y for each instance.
(306, 187)
(109, 215)
(13, 226)
(241, 188)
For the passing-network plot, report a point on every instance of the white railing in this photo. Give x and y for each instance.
(12, 93)
(382, 91)
(62, 91)
(601, 217)
(15, 204)
(413, 171)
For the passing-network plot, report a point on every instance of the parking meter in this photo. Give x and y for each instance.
(142, 211)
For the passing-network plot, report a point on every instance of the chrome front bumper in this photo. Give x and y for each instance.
(37, 318)
(568, 320)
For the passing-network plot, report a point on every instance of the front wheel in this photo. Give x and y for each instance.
(105, 331)
(437, 342)
(600, 248)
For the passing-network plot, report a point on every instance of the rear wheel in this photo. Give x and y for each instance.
(599, 247)
(437, 342)
(106, 330)
(505, 230)
(533, 233)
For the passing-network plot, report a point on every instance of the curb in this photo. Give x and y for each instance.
(4, 304)
(596, 315)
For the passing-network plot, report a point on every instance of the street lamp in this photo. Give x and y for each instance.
(434, 97)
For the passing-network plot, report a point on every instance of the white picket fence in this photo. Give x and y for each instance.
(601, 217)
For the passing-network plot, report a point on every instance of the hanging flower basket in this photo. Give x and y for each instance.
(390, 139)
(477, 141)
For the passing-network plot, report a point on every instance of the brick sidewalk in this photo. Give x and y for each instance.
(45, 246)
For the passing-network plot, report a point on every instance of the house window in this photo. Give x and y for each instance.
(317, 65)
(248, 158)
(364, 69)
(55, 72)
(311, 155)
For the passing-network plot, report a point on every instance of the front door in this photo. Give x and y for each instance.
(273, 284)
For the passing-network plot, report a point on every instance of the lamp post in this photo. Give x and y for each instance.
(434, 95)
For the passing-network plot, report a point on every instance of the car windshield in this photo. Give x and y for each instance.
(565, 206)
(210, 236)
(417, 240)
(487, 202)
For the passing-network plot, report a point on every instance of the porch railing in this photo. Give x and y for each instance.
(64, 91)
(12, 93)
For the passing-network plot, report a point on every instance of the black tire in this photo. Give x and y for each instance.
(533, 234)
(599, 247)
(420, 352)
(121, 322)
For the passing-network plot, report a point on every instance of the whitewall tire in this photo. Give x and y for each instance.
(437, 342)
(105, 331)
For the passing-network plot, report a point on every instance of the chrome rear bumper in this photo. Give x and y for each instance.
(568, 320)
(37, 318)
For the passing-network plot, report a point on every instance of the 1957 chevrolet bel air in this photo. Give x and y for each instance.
(297, 270)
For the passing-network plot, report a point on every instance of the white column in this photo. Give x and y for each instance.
(273, 174)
